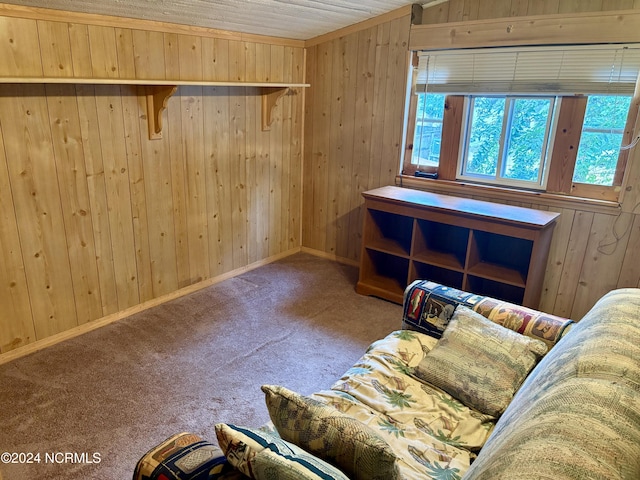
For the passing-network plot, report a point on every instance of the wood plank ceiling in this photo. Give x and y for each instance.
(297, 19)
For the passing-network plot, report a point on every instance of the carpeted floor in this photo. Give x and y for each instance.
(184, 366)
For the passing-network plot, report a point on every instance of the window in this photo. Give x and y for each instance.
(506, 139)
(514, 116)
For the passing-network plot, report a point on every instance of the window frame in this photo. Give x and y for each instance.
(563, 155)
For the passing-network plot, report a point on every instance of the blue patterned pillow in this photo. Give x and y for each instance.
(262, 456)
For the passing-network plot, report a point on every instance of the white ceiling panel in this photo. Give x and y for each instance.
(297, 19)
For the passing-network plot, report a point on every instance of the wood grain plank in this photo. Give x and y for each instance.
(27, 138)
(96, 187)
(543, 7)
(148, 54)
(603, 259)
(19, 48)
(80, 50)
(140, 215)
(286, 132)
(117, 182)
(55, 49)
(74, 196)
(16, 320)
(362, 137)
(309, 133)
(276, 160)
(263, 162)
(252, 99)
(494, 9)
(297, 148)
(190, 57)
(104, 51)
(557, 255)
(575, 6)
(125, 52)
(192, 139)
(630, 273)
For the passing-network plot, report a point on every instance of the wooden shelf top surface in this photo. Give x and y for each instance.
(142, 81)
(465, 206)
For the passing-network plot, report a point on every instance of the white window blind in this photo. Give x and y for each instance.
(589, 69)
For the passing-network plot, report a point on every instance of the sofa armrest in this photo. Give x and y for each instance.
(428, 307)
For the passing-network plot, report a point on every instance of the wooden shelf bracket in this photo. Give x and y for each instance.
(270, 97)
(157, 99)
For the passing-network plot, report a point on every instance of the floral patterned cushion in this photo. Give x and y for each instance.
(432, 433)
(331, 435)
(479, 362)
(260, 455)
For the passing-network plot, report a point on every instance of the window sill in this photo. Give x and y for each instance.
(507, 194)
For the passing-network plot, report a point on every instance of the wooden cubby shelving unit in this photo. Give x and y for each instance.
(158, 93)
(481, 247)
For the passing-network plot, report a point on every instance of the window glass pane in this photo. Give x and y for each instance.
(428, 132)
(601, 139)
(483, 143)
(525, 143)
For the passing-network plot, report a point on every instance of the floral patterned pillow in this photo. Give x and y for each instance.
(333, 436)
(479, 362)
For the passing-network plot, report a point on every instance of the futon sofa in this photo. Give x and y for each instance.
(470, 388)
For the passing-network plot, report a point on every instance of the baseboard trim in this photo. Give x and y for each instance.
(330, 256)
(106, 320)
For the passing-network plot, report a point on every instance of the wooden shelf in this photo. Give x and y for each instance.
(485, 248)
(158, 92)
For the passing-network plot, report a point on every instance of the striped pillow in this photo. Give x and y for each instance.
(262, 456)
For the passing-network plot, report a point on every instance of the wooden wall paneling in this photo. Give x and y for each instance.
(55, 49)
(148, 54)
(263, 167)
(574, 6)
(237, 116)
(104, 52)
(276, 160)
(557, 254)
(19, 47)
(519, 8)
(346, 56)
(573, 262)
(320, 148)
(252, 99)
(173, 130)
(439, 13)
(493, 9)
(80, 50)
(297, 125)
(362, 135)
(617, 5)
(336, 168)
(117, 182)
(16, 318)
(455, 12)
(396, 75)
(603, 259)
(192, 142)
(27, 138)
(308, 165)
(543, 7)
(96, 186)
(285, 141)
(377, 112)
(190, 55)
(630, 273)
(68, 152)
(139, 213)
(125, 52)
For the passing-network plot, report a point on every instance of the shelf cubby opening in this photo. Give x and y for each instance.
(500, 257)
(440, 244)
(386, 271)
(390, 233)
(423, 271)
(491, 288)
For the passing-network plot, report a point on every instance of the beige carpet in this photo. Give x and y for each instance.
(185, 366)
